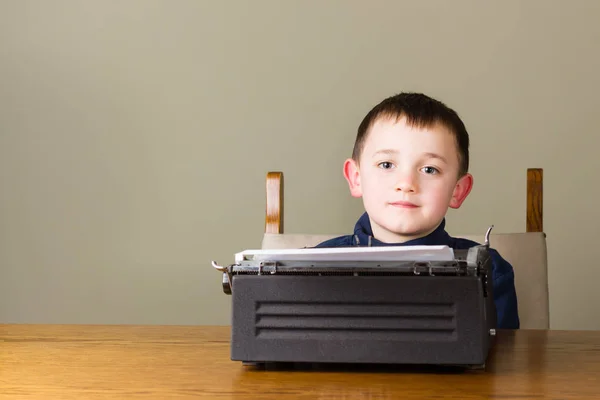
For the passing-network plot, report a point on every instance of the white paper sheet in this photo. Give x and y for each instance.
(386, 253)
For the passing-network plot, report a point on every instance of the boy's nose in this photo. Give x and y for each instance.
(406, 183)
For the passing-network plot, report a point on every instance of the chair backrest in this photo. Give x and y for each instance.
(526, 251)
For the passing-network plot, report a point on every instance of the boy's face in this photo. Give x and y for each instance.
(407, 177)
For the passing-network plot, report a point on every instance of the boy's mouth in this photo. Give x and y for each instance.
(403, 204)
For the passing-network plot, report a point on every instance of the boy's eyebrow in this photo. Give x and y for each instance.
(385, 152)
(394, 152)
(434, 155)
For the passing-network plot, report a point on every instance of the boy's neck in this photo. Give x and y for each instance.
(388, 237)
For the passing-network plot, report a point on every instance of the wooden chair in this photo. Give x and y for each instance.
(526, 251)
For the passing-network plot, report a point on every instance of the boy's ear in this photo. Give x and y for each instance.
(461, 190)
(352, 175)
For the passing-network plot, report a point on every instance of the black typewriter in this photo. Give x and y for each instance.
(377, 305)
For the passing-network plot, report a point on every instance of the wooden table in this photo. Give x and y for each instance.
(174, 362)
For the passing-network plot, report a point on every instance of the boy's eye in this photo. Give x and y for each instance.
(430, 170)
(385, 165)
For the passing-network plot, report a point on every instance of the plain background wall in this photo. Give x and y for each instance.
(135, 137)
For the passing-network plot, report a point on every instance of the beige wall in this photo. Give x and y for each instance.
(135, 137)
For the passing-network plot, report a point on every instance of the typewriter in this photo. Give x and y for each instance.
(363, 305)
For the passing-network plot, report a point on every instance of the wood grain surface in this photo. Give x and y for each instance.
(535, 200)
(188, 362)
(274, 202)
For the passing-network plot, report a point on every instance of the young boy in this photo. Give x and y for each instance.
(409, 164)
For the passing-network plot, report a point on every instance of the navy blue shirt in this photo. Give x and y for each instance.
(505, 296)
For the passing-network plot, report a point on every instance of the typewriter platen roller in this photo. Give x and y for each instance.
(379, 305)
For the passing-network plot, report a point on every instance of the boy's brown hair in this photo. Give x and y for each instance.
(420, 111)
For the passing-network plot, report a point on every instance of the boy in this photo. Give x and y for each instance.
(409, 164)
